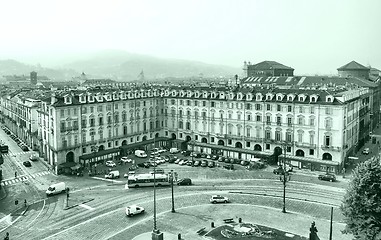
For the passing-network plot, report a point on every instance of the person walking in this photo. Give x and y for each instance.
(6, 236)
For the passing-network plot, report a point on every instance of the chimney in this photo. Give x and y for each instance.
(53, 98)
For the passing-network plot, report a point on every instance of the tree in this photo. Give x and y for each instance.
(362, 202)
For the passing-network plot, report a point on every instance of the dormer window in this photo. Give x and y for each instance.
(115, 96)
(329, 99)
(258, 97)
(182, 93)
(239, 96)
(301, 98)
(82, 98)
(108, 97)
(99, 98)
(166, 93)
(279, 97)
(189, 94)
(213, 95)
(269, 96)
(67, 99)
(173, 93)
(222, 95)
(205, 94)
(123, 95)
(231, 96)
(249, 96)
(91, 98)
(313, 98)
(130, 95)
(197, 94)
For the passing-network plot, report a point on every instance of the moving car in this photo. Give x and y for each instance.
(27, 164)
(366, 151)
(140, 153)
(126, 160)
(25, 148)
(110, 164)
(184, 181)
(113, 174)
(219, 199)
(134, 210)
(327, 177)
(56, 189)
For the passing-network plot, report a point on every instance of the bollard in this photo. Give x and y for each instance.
(179, 236)
(212, 224)
(239, 220)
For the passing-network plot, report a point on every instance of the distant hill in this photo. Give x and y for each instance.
(12, 67)
(121, 65)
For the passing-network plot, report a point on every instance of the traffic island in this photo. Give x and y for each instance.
(240, 231)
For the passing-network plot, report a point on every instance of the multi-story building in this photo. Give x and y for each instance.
(266, 69)
(317, 128)
(19, 113)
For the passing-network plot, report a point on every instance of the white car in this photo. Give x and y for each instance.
(110, 164)
(126, 159)
(134, 210)
(366, 151)
(219, 199)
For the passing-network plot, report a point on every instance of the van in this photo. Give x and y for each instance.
(140, 153)
(113, 174)
(56, 189)
(174, 150)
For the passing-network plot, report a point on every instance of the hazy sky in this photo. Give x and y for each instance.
(314, 37)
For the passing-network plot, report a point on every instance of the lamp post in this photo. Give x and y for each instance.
(156, 234)
(173, 198)
(284, 178)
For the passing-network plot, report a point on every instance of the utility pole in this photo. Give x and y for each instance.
(173, 198)
(285, 177)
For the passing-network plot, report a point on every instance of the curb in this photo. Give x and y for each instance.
(5, 193)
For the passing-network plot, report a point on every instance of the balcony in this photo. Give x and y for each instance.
(305, 145)
(331, 148)
(253, 139)
(235, 137)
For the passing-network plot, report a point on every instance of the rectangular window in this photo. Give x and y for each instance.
(327, 140)
(212, 139)
(278, 121)
(213, 104)
(267, 146)
(268, 106)
(248, 106)
(62, 113)
(312, 121)
(312, 109)
(312, 151)
(278, 108)
(289, 108)
(259, 118)
(301, 109)
(84, 150)
(229, 141)
(247, 144)
(277, 136)
(289, 121)
(204, 103)
(257, 106)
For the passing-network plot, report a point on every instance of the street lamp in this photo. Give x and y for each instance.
(173, 198)
(156, 234)
(284, 177)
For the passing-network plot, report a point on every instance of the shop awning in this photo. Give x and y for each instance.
(310, 160)
(98, 154)
(138, 144)
(232, 149)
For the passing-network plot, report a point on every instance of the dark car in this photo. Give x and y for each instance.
(190, 163)
(214, 157)
(196, 163)
(204, 163)
(184, 181)
(211, 164)
(327, 177)
(229, 166)
(244, 163)
(232, 160)
(172, 159)
(227, 160)
(221, 159)
(186, 153)
(203, 155)
(25, 148)
(27, 164)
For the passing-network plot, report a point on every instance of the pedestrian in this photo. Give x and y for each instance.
(15, 174)
(6, 236)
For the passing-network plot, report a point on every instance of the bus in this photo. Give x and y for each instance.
(147, 180)
(3, 148)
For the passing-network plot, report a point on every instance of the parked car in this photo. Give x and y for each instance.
(172, 159)
(110, 164)
(126, 159)
(232, 160)
(211, 164)
(227, 160)
(229, 166)
(327, 177)
(221, 159)
(25, 148)
(219, 199)
(190, 163)
(183, 162)
(178, 160)
(214, 157)
(186, 153)
(203, 155)
(196, 163)
(244, 163)
(208, 156)
(134, 210)
(184, 181)
(27, 164)
(204, 163)
(34, 158)
(366, 151)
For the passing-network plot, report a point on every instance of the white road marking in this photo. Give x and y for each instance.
(43, 206)
(86, 206)
(109, 180)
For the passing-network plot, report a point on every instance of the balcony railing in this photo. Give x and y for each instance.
(306, 145)
(332, 148)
